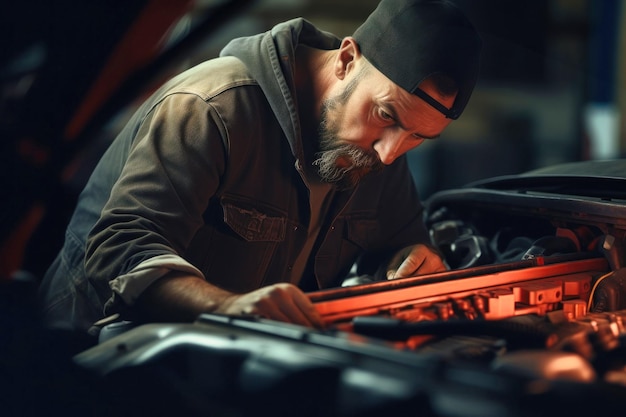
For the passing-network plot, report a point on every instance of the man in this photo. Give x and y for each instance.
(268, 172)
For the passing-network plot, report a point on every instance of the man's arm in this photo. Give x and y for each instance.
(181, 297)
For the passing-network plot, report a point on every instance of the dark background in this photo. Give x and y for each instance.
(72, 71)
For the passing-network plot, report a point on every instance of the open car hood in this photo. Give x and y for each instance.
(589, 192)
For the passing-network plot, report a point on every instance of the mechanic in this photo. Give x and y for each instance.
(267, 172)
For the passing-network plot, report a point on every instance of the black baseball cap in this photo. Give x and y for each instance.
(410, 40)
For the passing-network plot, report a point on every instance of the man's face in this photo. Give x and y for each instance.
(341, 162)
(370, 122)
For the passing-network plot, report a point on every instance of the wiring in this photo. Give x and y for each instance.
(595, 286)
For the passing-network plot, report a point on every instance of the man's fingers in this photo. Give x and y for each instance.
(283, 302)
(411, 265)
(418, 261)
(299, 308)
(295, 314)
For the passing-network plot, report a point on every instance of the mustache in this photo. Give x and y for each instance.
(360, 162)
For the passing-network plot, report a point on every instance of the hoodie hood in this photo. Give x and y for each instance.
(270, 58)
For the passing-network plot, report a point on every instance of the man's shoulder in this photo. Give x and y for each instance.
(211, 78)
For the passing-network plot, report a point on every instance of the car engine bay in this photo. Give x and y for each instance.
(526, 271)
(528, 320)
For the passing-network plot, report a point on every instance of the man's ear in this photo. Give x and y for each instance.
(347, 55)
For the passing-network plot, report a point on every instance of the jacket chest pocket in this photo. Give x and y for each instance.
(253, 225)
(237, 244)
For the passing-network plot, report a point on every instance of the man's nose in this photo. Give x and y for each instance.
(387, 147)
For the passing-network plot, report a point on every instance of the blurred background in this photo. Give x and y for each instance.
(551, 90)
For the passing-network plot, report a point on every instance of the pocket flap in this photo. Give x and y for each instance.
(253, 225)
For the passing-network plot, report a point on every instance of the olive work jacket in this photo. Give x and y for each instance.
(205, 179)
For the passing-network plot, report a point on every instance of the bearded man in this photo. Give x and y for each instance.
(270, 171)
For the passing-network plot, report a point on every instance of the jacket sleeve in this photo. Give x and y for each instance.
(156, 206)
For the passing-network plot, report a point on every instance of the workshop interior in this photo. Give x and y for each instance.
(525, 197)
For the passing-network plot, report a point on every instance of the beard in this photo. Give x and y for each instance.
(338, 162)
(344, 164)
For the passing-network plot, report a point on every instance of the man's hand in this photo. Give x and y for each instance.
(282, 302)
(181, 297)
(414, 260)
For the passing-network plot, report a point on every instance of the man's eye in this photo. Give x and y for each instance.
(384, 115)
